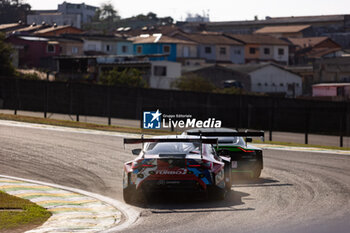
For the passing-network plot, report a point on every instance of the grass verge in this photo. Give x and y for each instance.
(20, 213)
(82, 125)
(124, 129)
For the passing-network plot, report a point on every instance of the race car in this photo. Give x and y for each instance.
(187, 164)
(246, 160)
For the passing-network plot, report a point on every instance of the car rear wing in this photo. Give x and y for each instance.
(191, 140)
(227, 134)
(143, 140)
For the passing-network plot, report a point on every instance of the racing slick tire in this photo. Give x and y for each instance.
(216, 194)
(131, 195)
(228, 177)
(256, 173)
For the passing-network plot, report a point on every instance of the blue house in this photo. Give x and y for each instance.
(160, 47)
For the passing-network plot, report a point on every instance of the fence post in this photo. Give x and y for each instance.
(46, 94)
(342, 125)
(109, 104)
(272, 113)
(307, 124)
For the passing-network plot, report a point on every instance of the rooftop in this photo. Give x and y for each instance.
(308, 41)
(258, 39)
(211, 38)
(158, 38)
(54, 28)
(282, 29)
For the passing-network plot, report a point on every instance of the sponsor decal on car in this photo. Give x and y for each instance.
(181, 171)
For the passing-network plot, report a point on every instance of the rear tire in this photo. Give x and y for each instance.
(217, 194)
(256, 173)
(228, 177)
(128, 194)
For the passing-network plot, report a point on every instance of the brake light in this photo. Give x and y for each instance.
(245, 150)
(143, 163)
(201, 163)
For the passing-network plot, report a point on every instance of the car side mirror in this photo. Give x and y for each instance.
(249, 140)
(136, 151)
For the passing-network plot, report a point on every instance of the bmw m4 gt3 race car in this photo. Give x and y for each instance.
(245, 159)
(187, 164)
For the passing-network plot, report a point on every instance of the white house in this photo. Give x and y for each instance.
(271, 78)
(163, 73)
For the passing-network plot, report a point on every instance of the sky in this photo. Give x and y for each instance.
(219, 10)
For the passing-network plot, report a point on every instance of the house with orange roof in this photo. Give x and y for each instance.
(263, 48)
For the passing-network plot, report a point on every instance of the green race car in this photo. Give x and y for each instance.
(246, 160)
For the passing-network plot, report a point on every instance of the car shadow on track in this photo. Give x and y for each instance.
(260, 182)
(182, 203)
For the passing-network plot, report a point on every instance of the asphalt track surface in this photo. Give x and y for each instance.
(298, 191)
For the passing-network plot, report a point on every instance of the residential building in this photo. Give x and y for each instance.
(333, 91)
(57, 18)
(217, 74)
(332, 70)
(295, 31)
(307, 50)
(164, 47)
(321, 25)
(163, 74)
(259, 48)
(86, 12)
(35, 51)
(69, 46)
(106, 45)
(215, 47)
(270, 78)
(66, 14)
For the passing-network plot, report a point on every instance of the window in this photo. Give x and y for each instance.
(237, 51)
(259, 84)
(280, 51)
(222, 51)
(159, 70)
(124, 49)
(75, 50)
(266, 51)
(252, 50)
(281, 84)
(50, 48)
(108, 47)
(265, 84)
(207, 49)
(166, 49)
(139, 49)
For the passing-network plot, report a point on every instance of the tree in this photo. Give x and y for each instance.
(108, 13)
(6, 68)
(193, 82)
(130, 77)
(13, 10)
